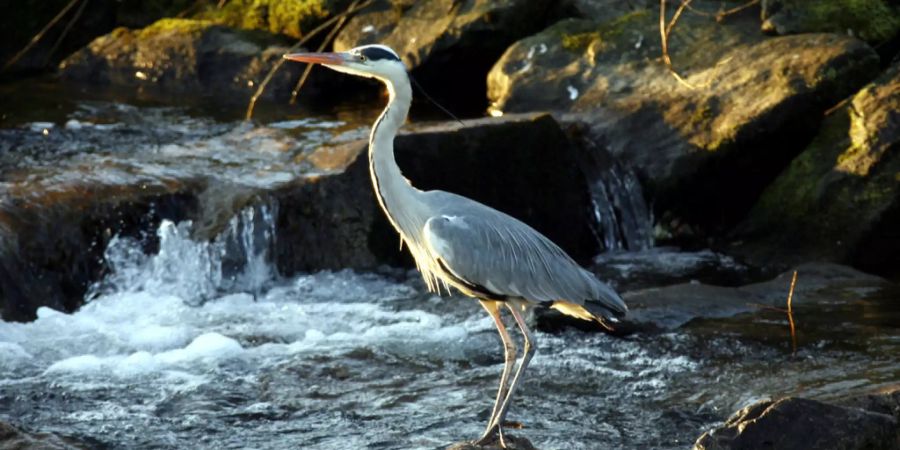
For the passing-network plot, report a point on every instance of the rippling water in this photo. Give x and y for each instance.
(203, 345)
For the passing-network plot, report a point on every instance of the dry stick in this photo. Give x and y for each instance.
(722, 14)
(325, 42)
(37, 37)
(315, 31)
(65, 31)
(664, 31)
(790, 313)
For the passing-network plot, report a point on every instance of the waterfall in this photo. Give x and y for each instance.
(621, 216)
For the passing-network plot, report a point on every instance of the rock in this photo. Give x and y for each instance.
(336, 222)
(884, 401)
(874, 21)
(795, 423)
(15, 438)
(703, 154)
(512, 443)
(839, 200)
(184, 55)
(55, 228)
(675, 306)
(436, 35)
(287, 17)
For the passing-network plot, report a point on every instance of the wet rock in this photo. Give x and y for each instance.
(184, 55)
(838, 200)
(675, 306)
(15, 438)
(512, 443)
(704, 153)
(432, 36)
(884, 401)
(801, 423)
(336, 222)
(875, 21)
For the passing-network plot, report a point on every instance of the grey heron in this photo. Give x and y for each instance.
(458, 242)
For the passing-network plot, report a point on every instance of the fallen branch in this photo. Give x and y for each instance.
(309, 67)
(39, 36)
(298, 44)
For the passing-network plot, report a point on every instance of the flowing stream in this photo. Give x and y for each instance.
(202, 344)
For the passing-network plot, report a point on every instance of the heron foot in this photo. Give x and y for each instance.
(492, 436)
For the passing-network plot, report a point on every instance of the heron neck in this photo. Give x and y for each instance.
(396, 195)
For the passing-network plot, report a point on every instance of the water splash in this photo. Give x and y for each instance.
(237, 260)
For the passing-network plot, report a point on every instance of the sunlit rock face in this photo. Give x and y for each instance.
(184, 55)
(704, 147)
(840, 198)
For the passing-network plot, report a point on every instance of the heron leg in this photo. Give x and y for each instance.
(509, 354)
(527, 353)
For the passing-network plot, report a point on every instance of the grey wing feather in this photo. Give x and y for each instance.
(488, 248)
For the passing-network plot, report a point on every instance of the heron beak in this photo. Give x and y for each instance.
(332, 59)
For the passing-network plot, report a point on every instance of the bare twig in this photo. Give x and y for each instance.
(721, 14)
(304, 40)
(39, 36)
(790, 313)
(664, 31)
(309, 67)
(65, 32)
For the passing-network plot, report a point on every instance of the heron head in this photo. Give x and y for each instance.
(370, 61)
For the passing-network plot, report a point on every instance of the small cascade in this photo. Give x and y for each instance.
(236, 260)
(622, 219)
(621, 214)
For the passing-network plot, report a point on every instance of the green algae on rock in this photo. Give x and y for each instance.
(874, 21)
(840, 198)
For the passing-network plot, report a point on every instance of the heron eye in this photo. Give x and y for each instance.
(362, 58)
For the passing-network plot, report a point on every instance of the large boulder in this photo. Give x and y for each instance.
(704, 148)
(840, 199)
(184, 55)
(874, 21)
(522, 165)
(294, 18)
(448, 44)
(797, 423)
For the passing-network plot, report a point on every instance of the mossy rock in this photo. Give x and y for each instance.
(292, 18)
(840, 198)
(874, 21)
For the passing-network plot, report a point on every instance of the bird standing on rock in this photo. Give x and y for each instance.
(458, 242)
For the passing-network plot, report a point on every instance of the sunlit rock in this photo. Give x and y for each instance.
(706, 147)
(840, 198)
(184, 55)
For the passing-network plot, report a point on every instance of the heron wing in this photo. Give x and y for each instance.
(490, 250)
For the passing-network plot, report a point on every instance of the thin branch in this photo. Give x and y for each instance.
(309, 67)
(65, 31)
(304, 40)
(721, 14)
(664, 31)
(37, 37)
(790, 313)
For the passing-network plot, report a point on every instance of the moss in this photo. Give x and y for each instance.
(175, 25)
(871, 20)
(289, 17)
(578, 35)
